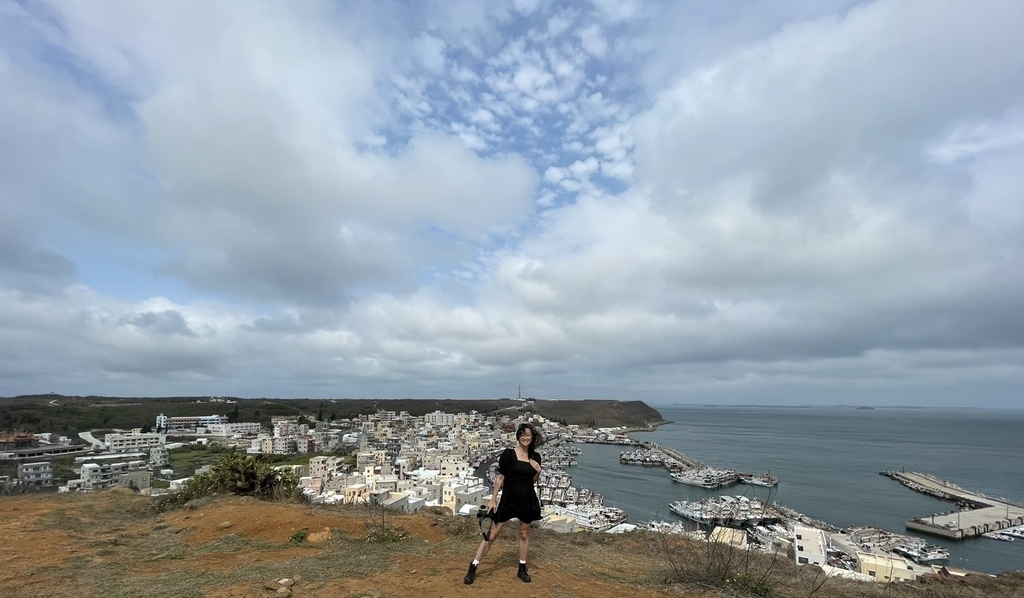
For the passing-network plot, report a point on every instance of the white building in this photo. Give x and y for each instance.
(190, 423)
(159, 456)
(440, 419)
(126, 443)
(235, 429)
(809, 546)
(100, 476)
(35, 474)
(281, 446)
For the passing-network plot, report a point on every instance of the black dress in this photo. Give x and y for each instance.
(518, 496)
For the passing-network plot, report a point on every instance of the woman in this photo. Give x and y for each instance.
(518, 472)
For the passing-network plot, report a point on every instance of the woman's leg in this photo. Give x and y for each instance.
(524, 540)
(485, 545)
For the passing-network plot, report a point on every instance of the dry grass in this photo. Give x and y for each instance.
(114, 545)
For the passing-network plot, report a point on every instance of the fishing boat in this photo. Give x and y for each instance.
(920, 553)
(706, 478)
(728, 511)
(766, 480)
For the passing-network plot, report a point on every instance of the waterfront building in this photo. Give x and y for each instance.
(810, 547)
(885, 567)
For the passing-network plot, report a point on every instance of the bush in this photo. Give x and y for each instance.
(240, 474)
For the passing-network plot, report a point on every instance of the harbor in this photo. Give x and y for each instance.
(977, 515)
(759, 439)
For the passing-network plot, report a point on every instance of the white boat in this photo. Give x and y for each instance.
(767, 480)
(999, 536)
(920, 553)
(707, 477)
(1016, 532)
(728, 511)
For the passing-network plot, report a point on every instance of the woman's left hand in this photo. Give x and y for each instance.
(536, 466)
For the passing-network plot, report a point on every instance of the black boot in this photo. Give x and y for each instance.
(470, 575)
(523, 575)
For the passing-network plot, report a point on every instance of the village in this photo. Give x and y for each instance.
(389, 459)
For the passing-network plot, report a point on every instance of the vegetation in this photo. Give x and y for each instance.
(69, 415)
(240, 474)
(187, 459)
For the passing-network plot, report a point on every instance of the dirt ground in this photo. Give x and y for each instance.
(113, 544)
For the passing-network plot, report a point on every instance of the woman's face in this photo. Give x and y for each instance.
(525, 437)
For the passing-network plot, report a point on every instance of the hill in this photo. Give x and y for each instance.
(114, 544)
(72, 414)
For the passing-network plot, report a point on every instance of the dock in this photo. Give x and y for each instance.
(979, 513)
(688, 462)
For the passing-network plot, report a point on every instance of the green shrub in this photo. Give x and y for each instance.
(240, 474)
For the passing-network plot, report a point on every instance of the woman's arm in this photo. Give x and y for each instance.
(536, 469)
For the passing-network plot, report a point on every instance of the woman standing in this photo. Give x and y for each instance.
(518, 472)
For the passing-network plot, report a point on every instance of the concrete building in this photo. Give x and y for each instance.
(323, 466)
(35, 474)
(440, 419)
(809, 546)
(101, 476)
(159, 456)
(232, 429)
(888, 568)
(126, 443)
(188, 423)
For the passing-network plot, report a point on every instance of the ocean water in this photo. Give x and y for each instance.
(827, 460)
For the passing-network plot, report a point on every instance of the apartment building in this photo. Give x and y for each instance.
(101, 476)
(126, 443)
(35, 474)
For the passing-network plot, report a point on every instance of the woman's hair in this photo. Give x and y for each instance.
(535, 441)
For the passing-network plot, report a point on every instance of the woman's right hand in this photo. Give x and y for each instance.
(491, 506)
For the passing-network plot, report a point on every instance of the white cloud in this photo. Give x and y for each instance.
(630, 198)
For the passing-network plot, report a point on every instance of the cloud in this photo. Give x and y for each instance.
(642, 200)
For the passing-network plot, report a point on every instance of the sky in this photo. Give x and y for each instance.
(790, 202)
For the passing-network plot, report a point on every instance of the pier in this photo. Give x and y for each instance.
(688, 462)
(981, 514)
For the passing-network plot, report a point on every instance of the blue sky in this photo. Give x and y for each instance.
(786, 202)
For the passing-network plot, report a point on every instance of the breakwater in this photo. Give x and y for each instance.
(978, 514)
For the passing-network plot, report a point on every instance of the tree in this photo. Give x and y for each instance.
(146, 428)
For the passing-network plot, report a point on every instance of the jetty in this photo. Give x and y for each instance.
(675, 460)
(978, 515)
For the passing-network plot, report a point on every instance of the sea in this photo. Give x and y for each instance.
(828, 461)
